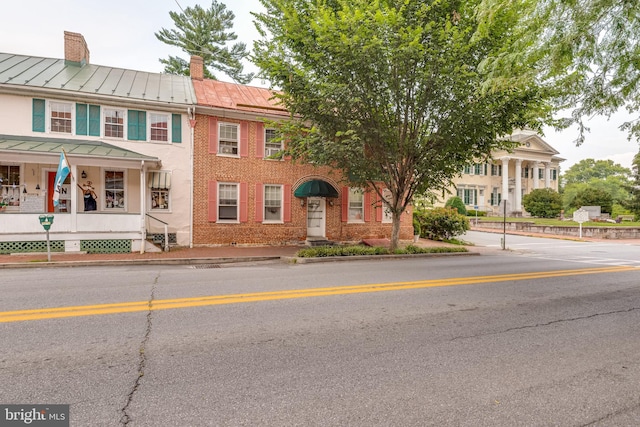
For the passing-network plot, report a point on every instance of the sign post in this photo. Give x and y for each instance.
(46, 221)
(504, 224)
(581, 216)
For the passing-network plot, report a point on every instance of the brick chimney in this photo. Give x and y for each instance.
(196, 68)
(75, 49)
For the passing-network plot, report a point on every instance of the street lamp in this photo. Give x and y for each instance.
(46, 221)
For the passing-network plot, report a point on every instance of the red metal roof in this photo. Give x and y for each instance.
(232, 96)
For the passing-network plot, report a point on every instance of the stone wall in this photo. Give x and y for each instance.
(565, 230)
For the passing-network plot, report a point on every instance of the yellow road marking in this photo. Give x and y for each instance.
(165, 304)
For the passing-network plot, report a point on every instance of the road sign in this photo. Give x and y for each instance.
(581, 216)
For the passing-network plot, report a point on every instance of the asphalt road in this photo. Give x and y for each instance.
(504, 339)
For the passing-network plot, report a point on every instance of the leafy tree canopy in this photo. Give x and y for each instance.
(204, 32)
(633, 202)
(584, 51)
(391, 91)
(587, 169)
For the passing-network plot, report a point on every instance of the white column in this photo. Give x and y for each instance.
(536, 167)
(505, 178)
(518, 191)
(547, 175)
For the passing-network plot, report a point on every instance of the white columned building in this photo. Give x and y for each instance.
(516, 170)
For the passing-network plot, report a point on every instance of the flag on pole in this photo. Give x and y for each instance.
(63, 170)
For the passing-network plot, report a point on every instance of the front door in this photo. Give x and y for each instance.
(316, 217)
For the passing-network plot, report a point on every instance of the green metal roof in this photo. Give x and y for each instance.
(73, 147)
(50, 73)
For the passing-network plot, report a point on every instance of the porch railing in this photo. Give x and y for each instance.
(166, 231)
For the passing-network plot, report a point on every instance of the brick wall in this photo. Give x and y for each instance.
(253, 170)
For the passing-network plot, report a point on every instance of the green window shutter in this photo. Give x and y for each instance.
(136, 125)
(142, 126)
(81, 119)
(94, 120)
(132, 125)
(38, 118)
(176, 128)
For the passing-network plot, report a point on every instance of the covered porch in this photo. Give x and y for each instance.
(102, 203)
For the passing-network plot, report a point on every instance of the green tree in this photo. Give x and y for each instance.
(390, 91)
(603, 175)
(204, 32)
(633, 202)
(584, 52)
(587, 169)
(543, 203)
(593, 197)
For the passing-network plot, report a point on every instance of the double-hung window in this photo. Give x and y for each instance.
(10, 188)
(228, 202)
(114, 189)
(113, 123)
(356, 205)
(273, 203)
(469, 195)
(60, 117)
(159, 127)
(228, 139)
(271, 145)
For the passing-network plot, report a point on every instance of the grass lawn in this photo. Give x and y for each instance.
(552, 221)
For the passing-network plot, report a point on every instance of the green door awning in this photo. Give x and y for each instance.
(315, 188)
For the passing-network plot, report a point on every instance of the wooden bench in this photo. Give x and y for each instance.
(621, 218)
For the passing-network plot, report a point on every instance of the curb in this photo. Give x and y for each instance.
(297, 260)
(152, 261)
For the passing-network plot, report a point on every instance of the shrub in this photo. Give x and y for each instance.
(327, 251)
(543, 203)
(442, 223)
(456, 203)
(472, 213)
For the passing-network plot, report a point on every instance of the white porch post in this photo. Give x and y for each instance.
(518, 190)
(143, 207)
(505, 178)
(74, 197)
(547, 175)
(536, 167)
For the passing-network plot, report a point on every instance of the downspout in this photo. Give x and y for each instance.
(143, 208)
(192, 124)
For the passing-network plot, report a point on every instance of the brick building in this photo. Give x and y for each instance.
(241, 196)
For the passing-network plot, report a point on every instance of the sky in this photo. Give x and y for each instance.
(120, 33)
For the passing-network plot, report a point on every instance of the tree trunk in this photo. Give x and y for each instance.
(395, 231)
